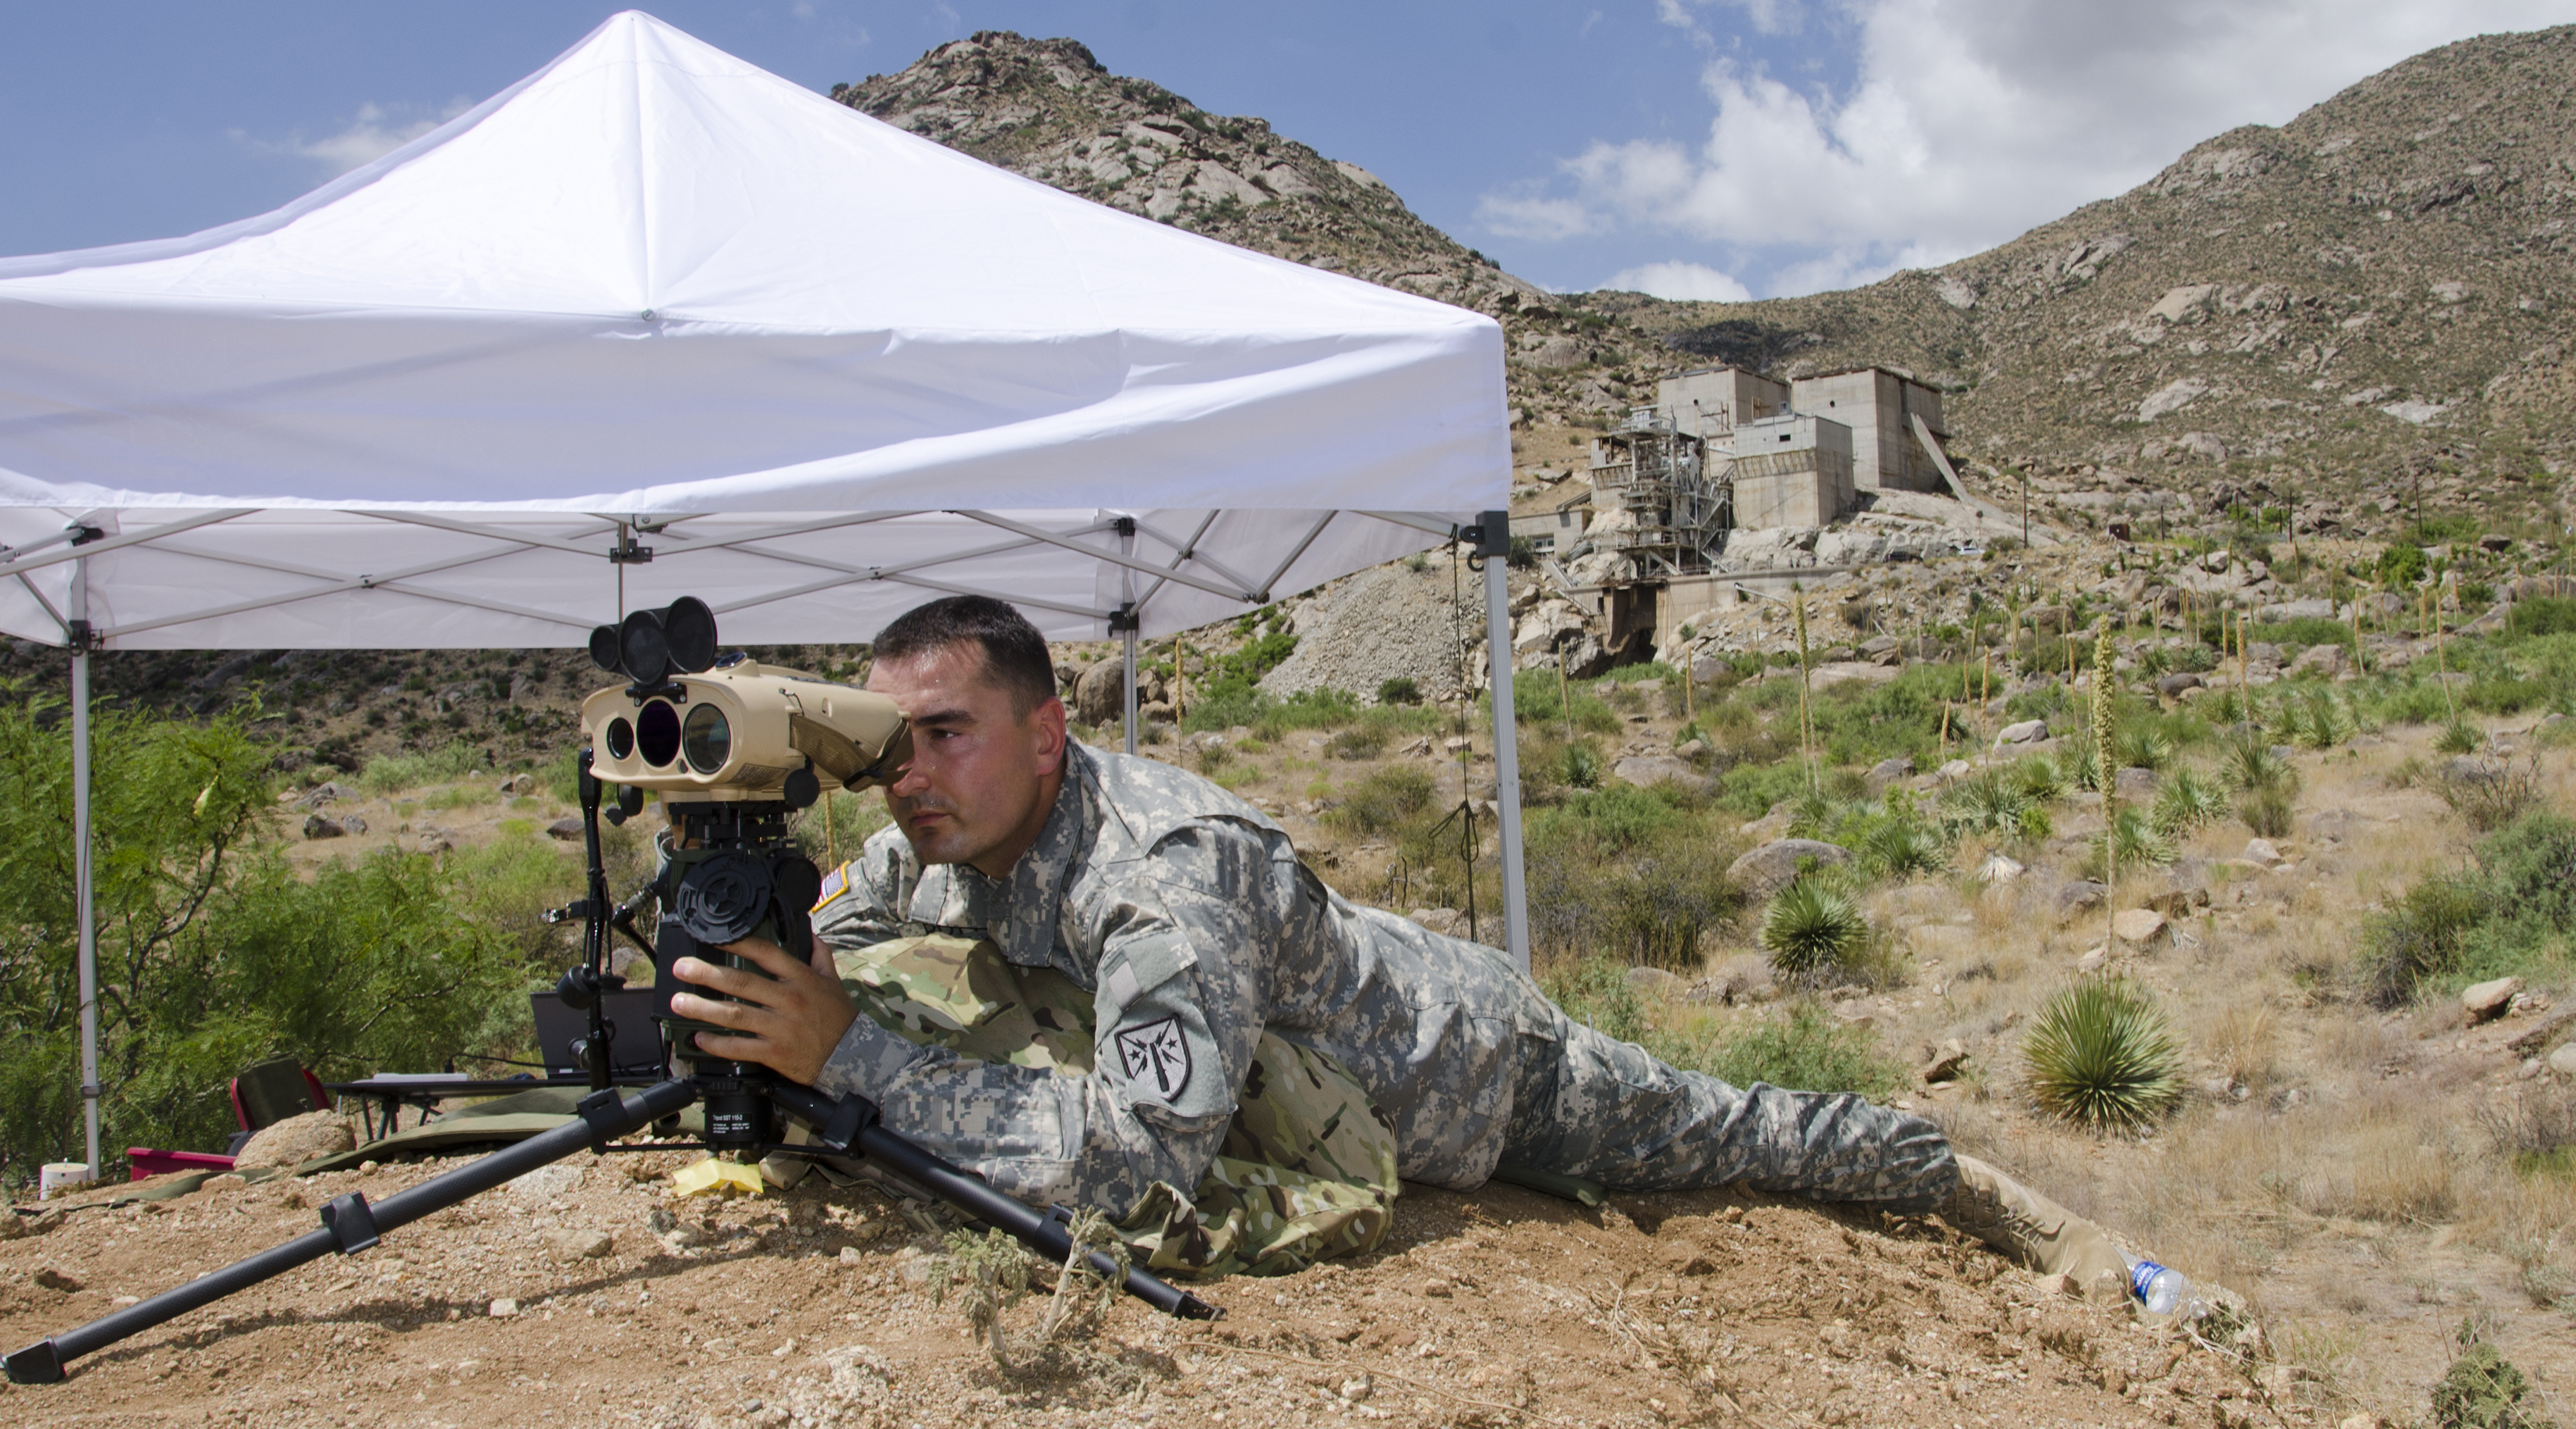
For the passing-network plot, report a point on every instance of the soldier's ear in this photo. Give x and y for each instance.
(1046, 724)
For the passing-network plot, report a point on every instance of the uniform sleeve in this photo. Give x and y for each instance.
(1177, 1009)
(858, 907)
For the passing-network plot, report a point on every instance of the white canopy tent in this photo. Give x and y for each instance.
(655, 322)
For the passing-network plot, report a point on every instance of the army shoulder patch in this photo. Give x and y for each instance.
(835, 884)
(1158, 1051)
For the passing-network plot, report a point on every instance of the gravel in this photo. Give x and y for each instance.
(1384, 623)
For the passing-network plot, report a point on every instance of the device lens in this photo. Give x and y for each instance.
(657, 733)
(621, 738)
(707, 739)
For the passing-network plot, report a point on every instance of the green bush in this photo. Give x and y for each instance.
(2101, 1055)
(1811, 930)
(2401, 565)
(2188, 800)
(1384, 800)
(1812, 1050)
(2542, 615)
(2483, 1390)
(1581, 766)
(2419, 937)
(214, 953)
(393, 773)
(1400, 690)
(2137, 840)
(2459, 737)
(2510, 910)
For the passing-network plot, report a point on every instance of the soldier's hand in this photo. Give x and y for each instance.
(788, 1021)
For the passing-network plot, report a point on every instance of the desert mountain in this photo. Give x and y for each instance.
(2369, 297)
(2377, 289)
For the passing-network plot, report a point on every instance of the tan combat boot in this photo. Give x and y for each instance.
(2034, 1231)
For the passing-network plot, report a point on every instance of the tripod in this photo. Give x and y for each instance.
(743, 1102)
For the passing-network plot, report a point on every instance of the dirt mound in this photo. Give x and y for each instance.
(814, 1308)
(1387, 623)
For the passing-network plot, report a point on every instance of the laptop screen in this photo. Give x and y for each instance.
(634, 1038)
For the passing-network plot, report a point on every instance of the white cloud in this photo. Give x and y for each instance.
(1682, 282)
(369, 137)
(1970, 121)
(1531, 216)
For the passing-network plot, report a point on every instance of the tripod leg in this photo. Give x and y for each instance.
(351, 1225)
(851, 1122)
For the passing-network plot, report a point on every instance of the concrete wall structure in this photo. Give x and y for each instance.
(1877, 405)
(1792, 470)
(1555, 530)
(1712, 401)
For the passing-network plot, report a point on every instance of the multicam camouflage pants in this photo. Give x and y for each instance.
(1587, 1105)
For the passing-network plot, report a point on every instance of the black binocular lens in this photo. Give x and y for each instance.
(657, 733)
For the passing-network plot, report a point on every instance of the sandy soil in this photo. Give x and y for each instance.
(1502, 1307)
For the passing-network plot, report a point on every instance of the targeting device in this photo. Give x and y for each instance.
(734, 747)
(722, 728)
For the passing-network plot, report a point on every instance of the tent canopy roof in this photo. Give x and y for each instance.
(837, 366)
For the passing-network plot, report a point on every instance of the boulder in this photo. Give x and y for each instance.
(1888, 771)
(1654, 982)
(572, 1243)
(1743, 978)
(2172, 686)
(354, 823)
(2048, 619)
(2262, 851)
(1100, 696)
(1946, 1063)
(294, 1141)
(2326, 660)
(324, 793)
(1774, 866)
(2137, 786)
(318, 827)
(2080, 896)
(1955, 769)
(519, 784)
(1649, 769)
(2029, 731)
(566, 829)
(2563, 1061)
(2486, 1001)
(2137, 925)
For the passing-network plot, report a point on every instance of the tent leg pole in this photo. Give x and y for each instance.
(81, 875)
(1130, 698)
(1507, 754)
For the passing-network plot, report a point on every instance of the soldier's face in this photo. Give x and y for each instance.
(983, 776)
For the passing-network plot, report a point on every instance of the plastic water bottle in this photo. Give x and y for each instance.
(2162, 1290)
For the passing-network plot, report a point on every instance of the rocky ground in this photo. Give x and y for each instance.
(590, 1294)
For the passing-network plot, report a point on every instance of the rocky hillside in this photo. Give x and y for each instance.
(2374, 292)
(1047, 109)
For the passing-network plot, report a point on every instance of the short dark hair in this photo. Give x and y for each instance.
(1015, 655)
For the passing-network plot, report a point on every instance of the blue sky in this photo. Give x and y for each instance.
(1697, 148)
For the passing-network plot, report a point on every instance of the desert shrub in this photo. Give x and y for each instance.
(2135, 838)
(2188, 800)
(2101, 1055)
(1401, 690)
(1536, 699)
(2482, 1389)
(393, 773)
(1750, 790)
(1620, 817)
(2459, 737)
(1896, 841)
(1595, 991)
(2142, 747)
(2038, 778)
(1811, 930)
(1812, 1050)
(2410, 701)
(2488, 794)
(1993, 803)
(1581, 766)
(2267, 811)
(2419, 936)
(2543, 615)
(1357, 742)
(2401, 565)
(1384, 800)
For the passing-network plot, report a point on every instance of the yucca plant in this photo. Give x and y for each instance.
(2138, 843)
(2188, 800)
(2082, 764)
(2143, 748)
(2267, 810)
(1813, 814)
(1899, 847)
(2323, 720)
(2038, 778)
(2459, 737)
(2101, 1056)
(1811, 929)
(1582, 766)
(2249, 763)
(1985, 804)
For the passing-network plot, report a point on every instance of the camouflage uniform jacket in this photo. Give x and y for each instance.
(1186, 915)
